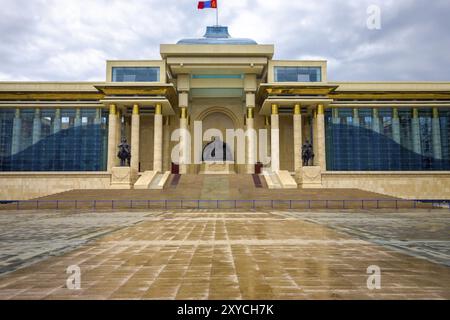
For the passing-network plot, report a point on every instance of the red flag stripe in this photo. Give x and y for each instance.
(207, 4)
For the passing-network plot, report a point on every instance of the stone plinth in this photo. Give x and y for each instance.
(218, 168)
(311, 177)
(121, 178)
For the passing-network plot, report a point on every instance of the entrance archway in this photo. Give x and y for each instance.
(217, 151)
(215, 123)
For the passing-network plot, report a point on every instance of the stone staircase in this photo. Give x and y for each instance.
(215, 187)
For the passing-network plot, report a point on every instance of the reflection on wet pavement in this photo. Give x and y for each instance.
(235, 255)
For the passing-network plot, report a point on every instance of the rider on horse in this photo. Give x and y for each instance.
(307, 154)
(124, 153)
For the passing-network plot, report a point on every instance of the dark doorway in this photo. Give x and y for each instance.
(175, 168)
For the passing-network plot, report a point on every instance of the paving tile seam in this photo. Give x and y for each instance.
(220, 257)
(373, 238)
(419, 254)
(60, 251)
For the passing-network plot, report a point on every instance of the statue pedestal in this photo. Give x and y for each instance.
(311, 177)
(121, 178)
(218, 168)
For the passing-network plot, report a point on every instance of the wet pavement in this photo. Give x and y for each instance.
(225, 255)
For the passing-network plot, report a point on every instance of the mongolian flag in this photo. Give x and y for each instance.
(207, 4)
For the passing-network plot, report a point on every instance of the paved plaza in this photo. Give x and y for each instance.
(202, 254)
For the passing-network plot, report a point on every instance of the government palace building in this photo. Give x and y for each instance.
(389, 138)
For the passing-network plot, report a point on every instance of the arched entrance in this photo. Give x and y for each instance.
(215, 123)
(217, 156)
(217, 151)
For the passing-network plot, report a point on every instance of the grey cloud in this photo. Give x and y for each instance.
(71, 39)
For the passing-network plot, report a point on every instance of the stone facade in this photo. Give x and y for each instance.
(26, 186)
(406, 185)
(232, 85)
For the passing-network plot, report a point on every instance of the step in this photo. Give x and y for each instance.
(145, 180)
(159, 181)
(286, 180)
(272, 180)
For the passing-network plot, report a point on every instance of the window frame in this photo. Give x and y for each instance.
(115, 68)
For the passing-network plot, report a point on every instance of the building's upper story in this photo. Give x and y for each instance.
(219, 66)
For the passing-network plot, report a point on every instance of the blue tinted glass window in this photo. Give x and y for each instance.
(135, 74)
(53, 140)
(444, 122)
(298, 74)
(387, 139)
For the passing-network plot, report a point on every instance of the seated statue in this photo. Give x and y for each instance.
(216, 151)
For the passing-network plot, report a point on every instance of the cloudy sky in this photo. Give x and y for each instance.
(69, 40)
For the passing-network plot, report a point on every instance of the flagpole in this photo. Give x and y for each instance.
(217, 16)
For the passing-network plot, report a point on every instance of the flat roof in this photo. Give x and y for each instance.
(217, 50)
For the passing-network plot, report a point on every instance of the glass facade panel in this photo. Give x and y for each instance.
(135, 74)
(387, 139)
(445, 132)
(53, 140)
(298, 74)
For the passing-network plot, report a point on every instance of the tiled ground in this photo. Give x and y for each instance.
(227, 255)
(419, 234)
(29, 237)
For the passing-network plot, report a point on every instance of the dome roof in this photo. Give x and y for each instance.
(218, 35)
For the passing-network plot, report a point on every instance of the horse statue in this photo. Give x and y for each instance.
(307, 154)
(124, 153)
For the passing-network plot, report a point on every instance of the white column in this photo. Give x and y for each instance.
(112, 137)
(436, 127)
(185, 145)
(37, 126)
(415, 124)
(251, 140)
(17, 132)
(157, 152)
(320, 133)
(135, 140)
(251, 147)
(119, 128)
(166, 145)
(298, 138)
(396, 127)
(275, 138)
(184, 152)
(118, 134)
(269, 136)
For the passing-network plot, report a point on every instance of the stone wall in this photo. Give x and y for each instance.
(407, 185)
(26, 186)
